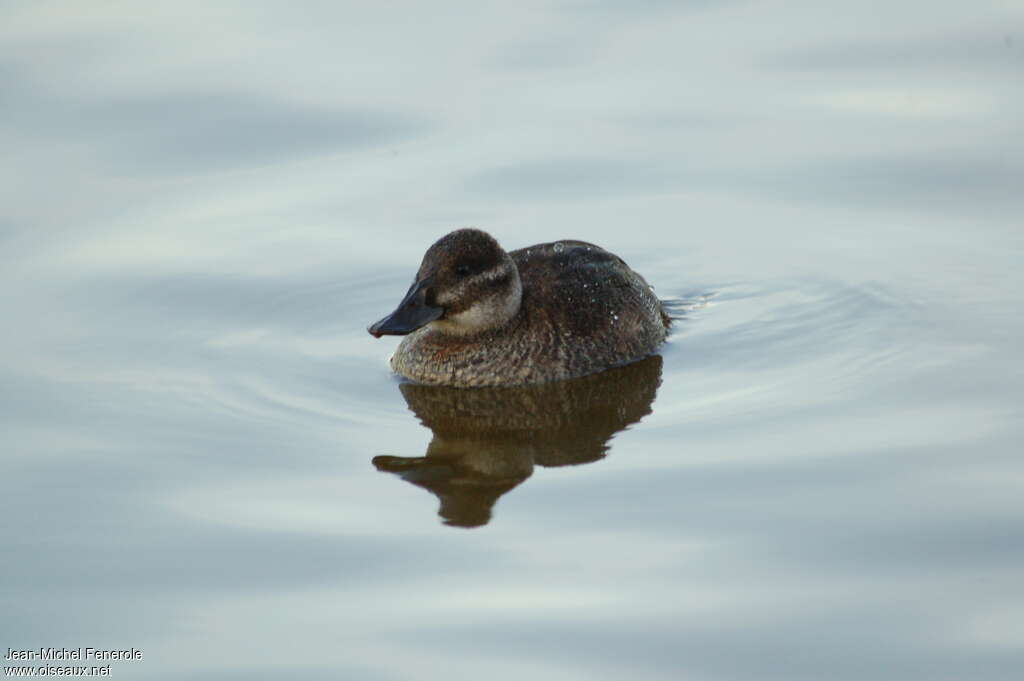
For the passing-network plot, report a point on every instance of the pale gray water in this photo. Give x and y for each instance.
(204, 205)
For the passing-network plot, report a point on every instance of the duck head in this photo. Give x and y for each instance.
(466, 284)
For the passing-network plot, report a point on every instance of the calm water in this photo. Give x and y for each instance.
(205, 456)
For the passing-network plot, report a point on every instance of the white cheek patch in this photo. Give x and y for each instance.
(478, 316)
(486, 313)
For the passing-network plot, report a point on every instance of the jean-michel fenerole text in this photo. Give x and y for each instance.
(72, 654)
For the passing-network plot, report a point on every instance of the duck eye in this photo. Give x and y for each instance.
(462, 270)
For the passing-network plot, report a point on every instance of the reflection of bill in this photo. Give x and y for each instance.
(487, 440)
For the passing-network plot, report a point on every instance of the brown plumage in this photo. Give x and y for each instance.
(478, 316)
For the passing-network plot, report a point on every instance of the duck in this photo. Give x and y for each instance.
(476, 315)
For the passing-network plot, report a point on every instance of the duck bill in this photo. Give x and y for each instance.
(412, 313)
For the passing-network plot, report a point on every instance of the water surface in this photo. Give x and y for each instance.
(206, 457)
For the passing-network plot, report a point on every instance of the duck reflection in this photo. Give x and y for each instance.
(487, 440)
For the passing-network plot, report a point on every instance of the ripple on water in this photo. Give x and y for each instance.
(776, 345)
(310, 360)
(283, 351)
(782, 358)
(735, 348)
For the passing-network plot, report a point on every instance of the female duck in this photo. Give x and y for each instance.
(478, 316)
